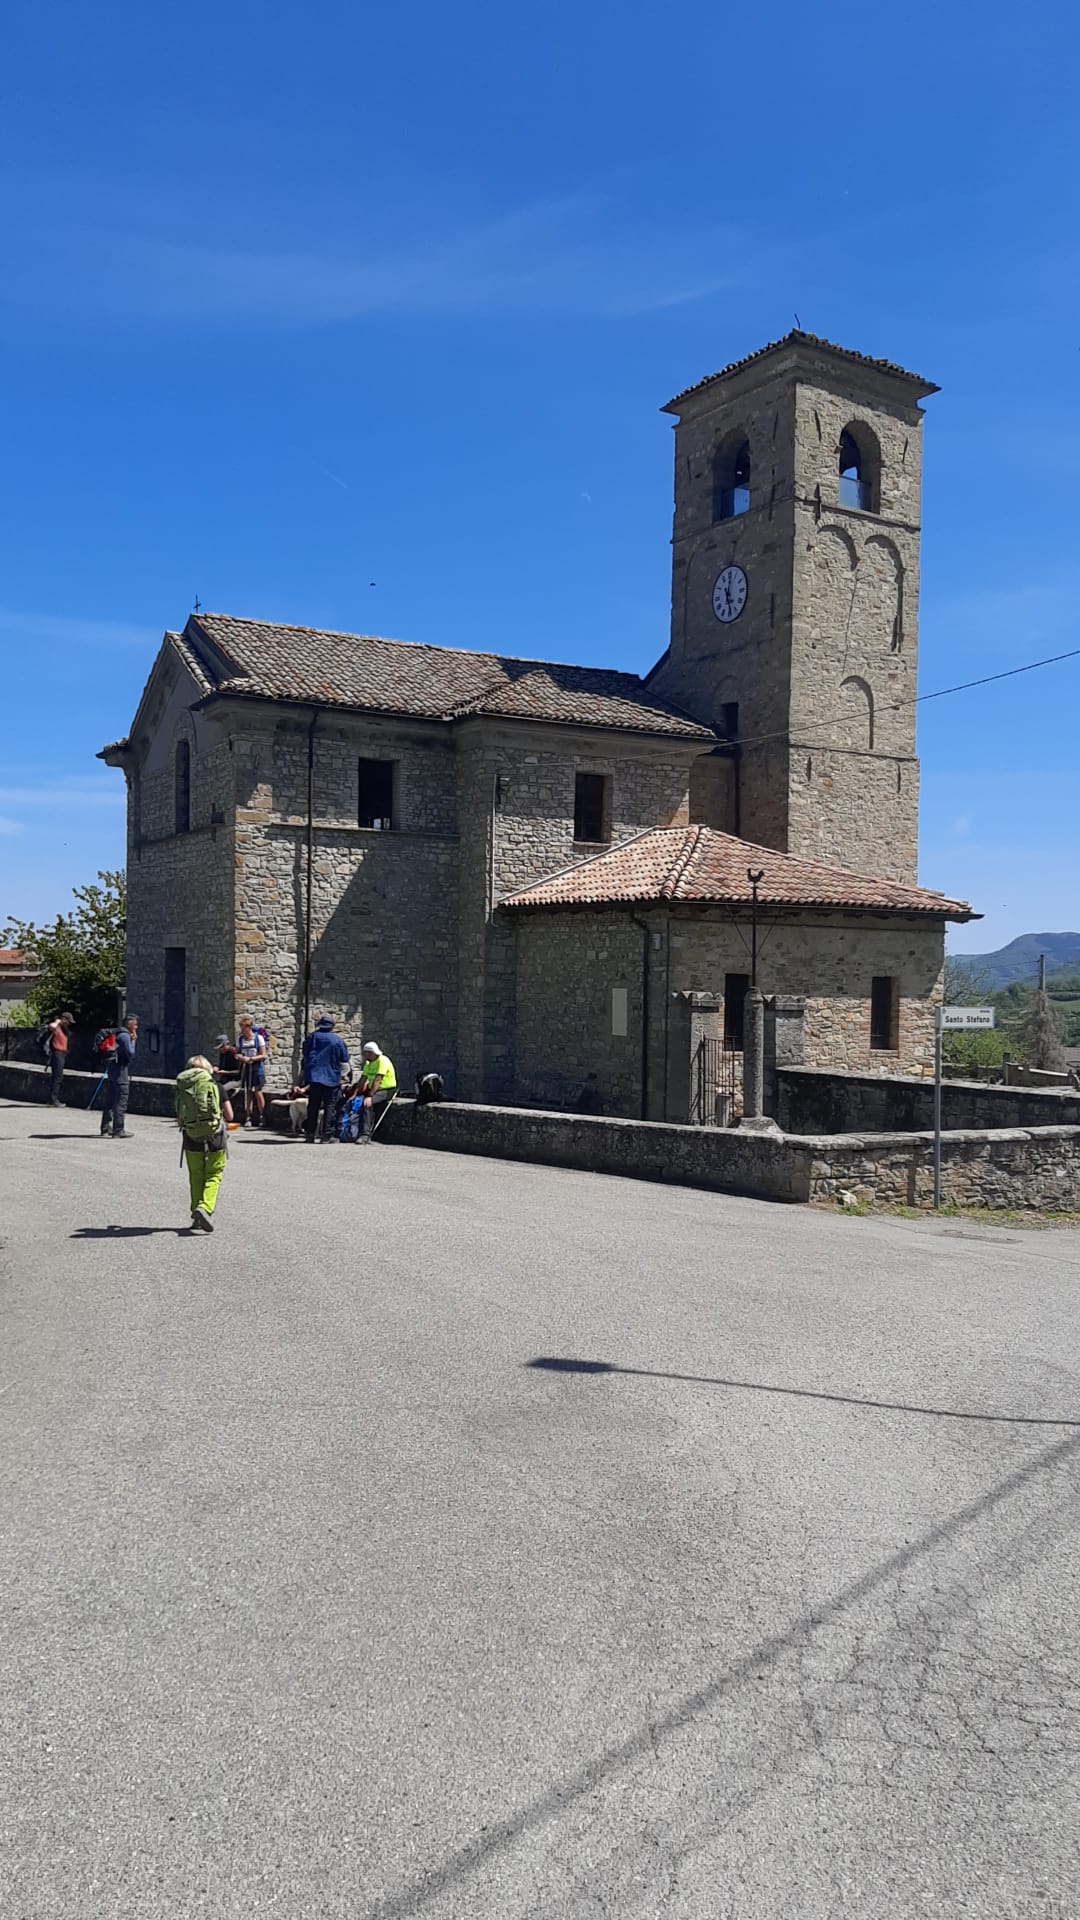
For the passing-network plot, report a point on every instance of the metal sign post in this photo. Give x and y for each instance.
(951, 1020)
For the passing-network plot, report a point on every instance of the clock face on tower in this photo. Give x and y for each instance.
(729, 594)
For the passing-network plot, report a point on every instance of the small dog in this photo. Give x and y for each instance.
(429, 1089)
(295, 1106)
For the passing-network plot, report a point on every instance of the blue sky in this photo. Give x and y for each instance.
(300, 300)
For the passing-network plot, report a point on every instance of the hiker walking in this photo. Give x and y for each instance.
(325, 1053)
(252, 1046)
(378, 1085)
(205, 1149)
(118, 1082)
(58, 1032)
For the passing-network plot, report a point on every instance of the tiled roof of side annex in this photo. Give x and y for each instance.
(698, 864)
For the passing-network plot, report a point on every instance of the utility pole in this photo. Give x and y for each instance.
(753, 1114)
(755, 880)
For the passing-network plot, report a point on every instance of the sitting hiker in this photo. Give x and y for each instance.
(198, 1115)
(378, 1085)
(429, 1089)
(325, 1054)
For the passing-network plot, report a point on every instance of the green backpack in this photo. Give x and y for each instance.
(198, 1108)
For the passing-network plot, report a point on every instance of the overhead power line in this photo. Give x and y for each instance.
(913, 700)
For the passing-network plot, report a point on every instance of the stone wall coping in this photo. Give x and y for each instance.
(836, 1143)
(924, 1080)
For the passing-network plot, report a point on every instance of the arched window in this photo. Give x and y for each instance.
(860, 468)
(183, 787)
(731, 479)
(858, 710)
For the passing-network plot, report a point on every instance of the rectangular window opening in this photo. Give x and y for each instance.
(728, 728)
(736, 987)
(592, 813)
(884, 1014)
(620, 1009)
(376, 802)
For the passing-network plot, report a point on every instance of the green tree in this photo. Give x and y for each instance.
(80, 958)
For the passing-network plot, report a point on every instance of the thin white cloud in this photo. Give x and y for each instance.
(10, 826)
(74, 631)
(579, 255)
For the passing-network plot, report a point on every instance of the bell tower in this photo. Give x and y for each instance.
(794, 600)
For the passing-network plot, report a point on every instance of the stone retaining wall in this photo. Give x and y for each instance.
(1034, 1169)
(1019, 1169)
(810, 1100)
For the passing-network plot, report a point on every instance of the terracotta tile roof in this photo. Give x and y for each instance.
(798, 339)
(362, 672)
(696, 864)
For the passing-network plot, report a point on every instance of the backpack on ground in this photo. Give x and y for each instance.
(104, 1046)
(352, 1119)
(198, 1108)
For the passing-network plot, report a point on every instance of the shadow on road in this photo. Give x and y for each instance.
(551, 1363)
(122, 1233)
(86, 1135)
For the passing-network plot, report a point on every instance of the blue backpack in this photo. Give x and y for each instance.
(352, 1118)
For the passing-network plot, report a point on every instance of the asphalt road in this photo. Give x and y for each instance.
(318, 1599)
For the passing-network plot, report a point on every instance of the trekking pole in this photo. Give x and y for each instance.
(383, 1115)
(96, 1091)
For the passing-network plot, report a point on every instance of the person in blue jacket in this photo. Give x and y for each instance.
(325, 1053)
(118, 1082)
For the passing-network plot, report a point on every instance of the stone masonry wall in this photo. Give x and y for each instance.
(1021, 1170)
(568, 962)
(384, 904)
(515, 796)
(853, 785)
(710, 665)
(568, 966)
(180, 892)
(830, 625)
(813, 1101)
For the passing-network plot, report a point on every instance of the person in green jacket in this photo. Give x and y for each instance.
(198, 1115)
(378, 1085)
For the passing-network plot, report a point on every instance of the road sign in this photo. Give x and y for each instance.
(966, 1018)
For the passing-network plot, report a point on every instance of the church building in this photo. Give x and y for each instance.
(533, 877)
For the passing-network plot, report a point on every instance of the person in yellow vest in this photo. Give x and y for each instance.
(378, 1085)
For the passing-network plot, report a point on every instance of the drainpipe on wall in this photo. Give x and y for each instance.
(645, 938)
(307, 882)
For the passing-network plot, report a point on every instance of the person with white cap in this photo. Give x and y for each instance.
(378, 1085)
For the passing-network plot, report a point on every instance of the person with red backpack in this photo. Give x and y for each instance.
(118, 1081)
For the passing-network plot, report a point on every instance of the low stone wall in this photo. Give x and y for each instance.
(727, 1161)
(1033, 1168)
(19, 1082)
(1023, 1170)
(809, 1101)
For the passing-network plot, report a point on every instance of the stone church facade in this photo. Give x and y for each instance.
(517, 872)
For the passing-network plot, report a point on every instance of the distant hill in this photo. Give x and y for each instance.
(1020, 959)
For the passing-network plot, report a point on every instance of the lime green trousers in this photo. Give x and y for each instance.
(204, 1176)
